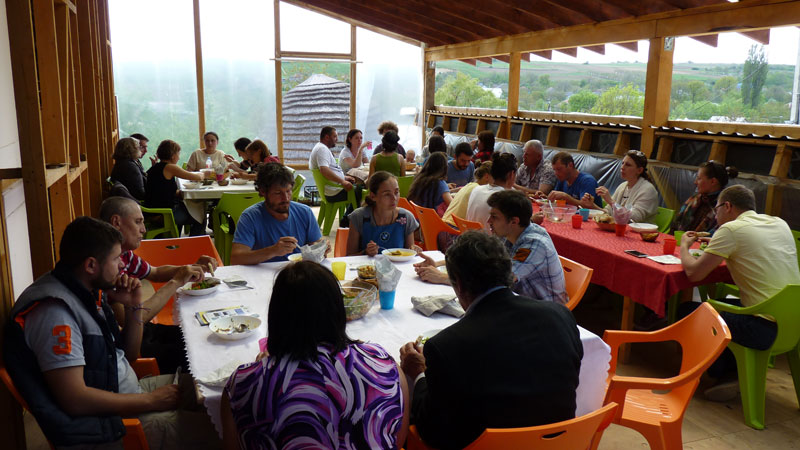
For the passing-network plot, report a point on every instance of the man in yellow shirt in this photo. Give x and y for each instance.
(458, 207)
(760, 253)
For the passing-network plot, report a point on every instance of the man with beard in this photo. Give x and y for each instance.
(71, 362)
(272, 230)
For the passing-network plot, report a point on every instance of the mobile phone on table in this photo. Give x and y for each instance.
(636, 253)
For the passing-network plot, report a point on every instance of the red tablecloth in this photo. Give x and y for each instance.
(643, 280)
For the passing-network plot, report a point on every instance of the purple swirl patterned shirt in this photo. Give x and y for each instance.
(348, 400)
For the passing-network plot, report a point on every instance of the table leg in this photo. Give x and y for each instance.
(628, 307)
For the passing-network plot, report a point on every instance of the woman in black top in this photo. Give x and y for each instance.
(163, 190)
(126, 170)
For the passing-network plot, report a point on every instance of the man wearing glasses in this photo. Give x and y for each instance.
(760, 253)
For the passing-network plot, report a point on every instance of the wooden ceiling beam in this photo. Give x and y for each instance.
(505, 58)
(708, 39)
(760, 36)
(746, 16)
(546, 54)
(485, 60)
(632, 46)
(478, 21)
(525, 57)
(539, 14)
(418, 31)
(472, 62)
(642, 8)
(596, 11)
(391, 9)
(569, 51)
(601, 49)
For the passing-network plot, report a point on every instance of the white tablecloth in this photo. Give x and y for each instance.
(389, 328)
(195, 199)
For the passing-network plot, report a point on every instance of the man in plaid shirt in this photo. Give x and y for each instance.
(534, 260)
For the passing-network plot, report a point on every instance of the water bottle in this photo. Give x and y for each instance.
(208, 163)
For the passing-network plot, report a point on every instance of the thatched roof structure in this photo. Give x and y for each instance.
(316, 102)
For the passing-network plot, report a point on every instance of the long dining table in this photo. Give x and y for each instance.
(196, 198)
(212, 359)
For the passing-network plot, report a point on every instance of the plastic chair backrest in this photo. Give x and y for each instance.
(299, 181)
(785, 309)
(575, 433)
(233, 205)
(11, 387)
(576, 279)
(702, 336)
(321, 182)
(664, 219)
(404, 183)
(431, 225)
(465, 225)
(404, 203)
(180, 251)
(168, 224)
(340, 249)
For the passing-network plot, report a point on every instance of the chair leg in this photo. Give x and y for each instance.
(794, 365)
(323, 207)
(672, 308)
(671, 435)
(752, 367)
(330, 214)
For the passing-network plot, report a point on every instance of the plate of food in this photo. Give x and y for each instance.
(399, 254)
(238, 181)
(605, 222)
(204, 287)
(233, 328)
(192, 185)
(423, 338)
(643, 227)
(294, 257)
(367, 274)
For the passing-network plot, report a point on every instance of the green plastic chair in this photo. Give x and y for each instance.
(404, 183)
(328, 210)
(664, 219)
(226, 215)
(752, 364)
(164, 228)
(299, 181)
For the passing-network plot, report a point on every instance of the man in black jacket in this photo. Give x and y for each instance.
(510, 362)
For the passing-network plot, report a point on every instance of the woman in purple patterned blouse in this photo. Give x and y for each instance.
(316, 388)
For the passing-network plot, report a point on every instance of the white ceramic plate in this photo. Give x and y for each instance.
(191, 185)
(294, 257)
(595, 212)
(187, 288)
(643, 227)
(225, 327)
(238, 181)
(406, 254)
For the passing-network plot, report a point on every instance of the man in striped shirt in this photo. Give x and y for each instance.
(163, 342)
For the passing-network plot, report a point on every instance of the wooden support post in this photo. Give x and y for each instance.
(513, 84)
(278, 79)
(429, 94)
(665, 146)
(198, 54)
(782, 161)
(719, 150)
(552, 136)
(352, 76)
(90, 115)
(626, 324)
(49, 82)
(623, 143)
(585, 140)
(657, 91)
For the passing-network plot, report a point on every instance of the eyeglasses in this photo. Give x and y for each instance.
(716, 208)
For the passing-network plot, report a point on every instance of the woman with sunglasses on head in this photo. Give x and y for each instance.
(636, 193)
(697, 214)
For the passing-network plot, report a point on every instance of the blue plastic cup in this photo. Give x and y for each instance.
(387, 299)
(584, 213)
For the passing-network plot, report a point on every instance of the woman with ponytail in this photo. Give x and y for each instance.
(380, 224)
(636, 193)
(698, 214)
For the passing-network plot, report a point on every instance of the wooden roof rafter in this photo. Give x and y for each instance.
(596, 11)
(389, 10)
(478, 21)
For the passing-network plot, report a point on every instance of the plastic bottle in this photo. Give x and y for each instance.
(208, 163)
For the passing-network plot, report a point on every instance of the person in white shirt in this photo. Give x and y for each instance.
(322, 159)
(353, 154)
(504, 171)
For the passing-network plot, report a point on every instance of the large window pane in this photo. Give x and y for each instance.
(609, 84)
(238, 75)
(315, 94)
(388, 86)
(154, 71)
(480, 86)
(739, 81)
(306, 31)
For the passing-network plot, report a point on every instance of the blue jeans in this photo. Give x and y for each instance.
(748, 331)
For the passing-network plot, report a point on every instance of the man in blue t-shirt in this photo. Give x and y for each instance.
(572, 184)
(460, 170)
(270, 231)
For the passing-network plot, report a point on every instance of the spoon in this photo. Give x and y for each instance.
(238, 284)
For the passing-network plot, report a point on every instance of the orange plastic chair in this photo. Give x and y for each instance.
(180, 251)
(655, 406)
(576, 433)
(134, 438)
(405, 203)
(465, 225)
(340, 249)
(576, 278)
(431, 225)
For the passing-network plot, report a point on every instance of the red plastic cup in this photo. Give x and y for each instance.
(561, 203)
(620, 228)
(577, 220)
(669, 245)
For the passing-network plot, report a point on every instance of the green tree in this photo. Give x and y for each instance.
(544, 81)
(582, 101)
(465, 91)
(620, 101)
(754, 74)
(698, 91)
(725, 84)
